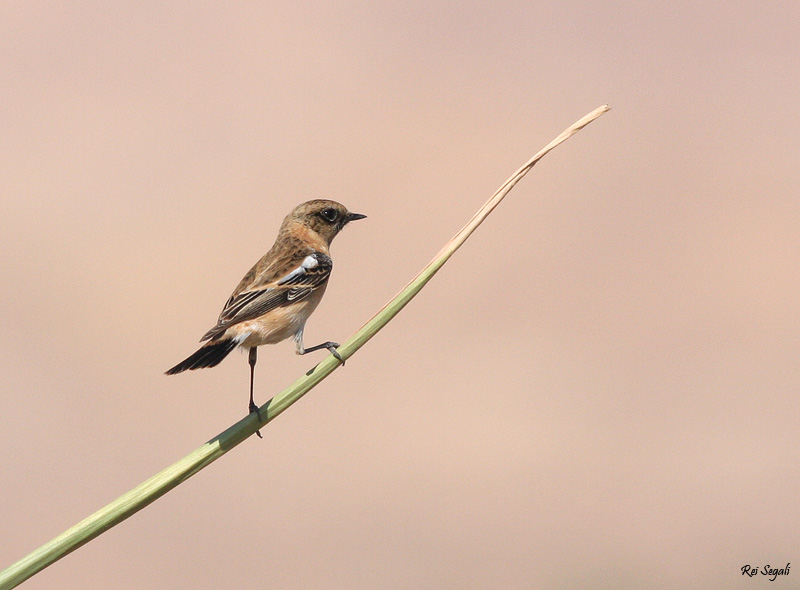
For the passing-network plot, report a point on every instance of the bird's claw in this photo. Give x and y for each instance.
(255, 409)
(332, 346)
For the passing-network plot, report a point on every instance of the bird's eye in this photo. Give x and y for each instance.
(329, 214)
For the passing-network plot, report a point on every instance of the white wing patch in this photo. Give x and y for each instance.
(308, 263)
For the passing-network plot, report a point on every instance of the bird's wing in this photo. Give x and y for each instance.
(311, 273)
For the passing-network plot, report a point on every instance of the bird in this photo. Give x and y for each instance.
(279, 293)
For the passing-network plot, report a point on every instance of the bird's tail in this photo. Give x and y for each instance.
(209, 355)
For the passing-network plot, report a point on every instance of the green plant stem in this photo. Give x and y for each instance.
(158, 485)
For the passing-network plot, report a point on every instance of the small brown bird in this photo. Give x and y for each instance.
(276, 297)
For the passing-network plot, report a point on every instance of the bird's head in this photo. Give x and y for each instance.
(325, 218)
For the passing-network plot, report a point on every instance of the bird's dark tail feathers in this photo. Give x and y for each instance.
(210, 355)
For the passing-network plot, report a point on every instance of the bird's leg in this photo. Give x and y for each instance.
(253, 407)
(300, 349)
(331, 346)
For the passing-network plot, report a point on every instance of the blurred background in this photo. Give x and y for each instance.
(599, 390)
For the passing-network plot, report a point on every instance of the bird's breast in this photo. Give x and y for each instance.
(277, 324)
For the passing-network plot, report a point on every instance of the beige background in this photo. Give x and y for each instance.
(599, 391)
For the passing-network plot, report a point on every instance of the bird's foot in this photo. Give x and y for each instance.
(332, 346)
(254, 408)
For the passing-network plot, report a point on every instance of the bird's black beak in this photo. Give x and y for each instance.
(354, 217)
